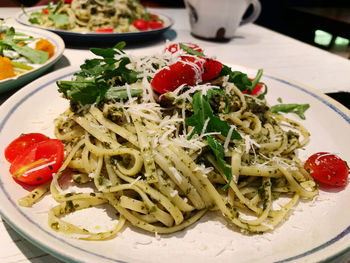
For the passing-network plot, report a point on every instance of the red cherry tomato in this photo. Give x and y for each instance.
(173, 48)
(45, 11)
(38, 162)
(20, 144)
(105, 30)
(140, 24)
(170, 78)
(68, 1)
(212, 69)
(153, 17)
(327, 168)
(154, 24)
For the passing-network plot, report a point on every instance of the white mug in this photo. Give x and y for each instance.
(219, 19)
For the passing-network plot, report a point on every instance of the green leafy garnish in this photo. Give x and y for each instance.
(298, 109)
(204, 115)
(242, 81)
(219, 153)
(191, 51)
(122, 94)
(34, 20)
(98, 75)
(58, 6)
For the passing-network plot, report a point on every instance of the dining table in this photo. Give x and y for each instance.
(253, 46)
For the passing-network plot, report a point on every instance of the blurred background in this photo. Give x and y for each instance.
(321, 23)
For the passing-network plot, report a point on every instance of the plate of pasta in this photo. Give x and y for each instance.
(202, 169)
(25, 54)
(96, 20)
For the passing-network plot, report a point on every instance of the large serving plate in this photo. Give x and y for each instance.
(91, 37)
(22, 79)
(315, 231)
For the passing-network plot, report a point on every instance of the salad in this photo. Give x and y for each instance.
(20, 52)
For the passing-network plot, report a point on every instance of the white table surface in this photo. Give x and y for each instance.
(254, 47)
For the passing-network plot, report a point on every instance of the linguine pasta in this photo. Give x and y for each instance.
(91, 15)
(139, 155)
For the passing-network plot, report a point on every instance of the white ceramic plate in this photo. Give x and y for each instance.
(317, 230)
(22, 79)
(91, 37)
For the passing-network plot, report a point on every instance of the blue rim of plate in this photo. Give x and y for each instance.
(91, 36)
(67, 258)
(53, 38)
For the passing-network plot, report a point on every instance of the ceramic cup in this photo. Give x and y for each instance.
(219, 19)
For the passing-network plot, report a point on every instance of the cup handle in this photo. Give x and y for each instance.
(254, 15)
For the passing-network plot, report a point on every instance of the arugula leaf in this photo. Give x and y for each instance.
(219, 153)
(85, 91)
(58, 6)
(298, 109)
(34, 20)
(213, 92)
(191, 51)
(242, 81)
(59, 19)
(122, 93)
(202, 112)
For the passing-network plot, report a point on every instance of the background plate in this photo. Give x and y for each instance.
(316, 230)
(78, 37)
(22, 79)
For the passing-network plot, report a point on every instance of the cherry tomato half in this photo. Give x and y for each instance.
(45, 11)
(154, 24)
(327, 168)
(170, 78)
(212, 69)
(140, 24)
(20, 144)
(104, 30)
(38, 162)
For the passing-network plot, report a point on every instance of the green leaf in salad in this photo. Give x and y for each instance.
(298, 109)
(35, 56)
